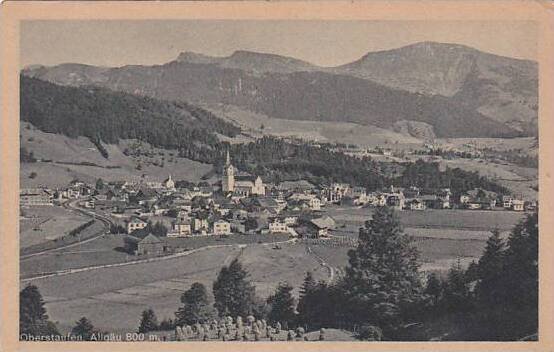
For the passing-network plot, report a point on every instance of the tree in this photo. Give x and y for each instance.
(282, 305)
(234, 294)
(457, 297)
(433, 288)
(99, 184)
(196, 306)
(83, 328)
(149, 321)
(33, 318)
(516, 304)
(490, 269)
(306, 303)
(33, 175)
(382, 280)
(159, 229)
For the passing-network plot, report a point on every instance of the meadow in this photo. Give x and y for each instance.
(113, 298)
(44, 223)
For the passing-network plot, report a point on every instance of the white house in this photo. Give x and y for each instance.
(135, 224)
(278, 226)
(221, 227)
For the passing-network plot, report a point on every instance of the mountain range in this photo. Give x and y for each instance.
(448, 89)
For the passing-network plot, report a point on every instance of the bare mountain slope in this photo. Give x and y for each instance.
(502, 88)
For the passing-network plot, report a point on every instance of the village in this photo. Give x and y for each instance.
(155, 216)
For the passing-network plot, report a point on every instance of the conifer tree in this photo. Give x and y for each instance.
(307, 303)
(84, 328)
(233, 292)
(196, 306)
(490, 269)
(382, 280)
(282, 305)
(149, 321)
(33, 318)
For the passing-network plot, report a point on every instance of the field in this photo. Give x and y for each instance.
(113, 298)
(443, 237)
(44, 223)
(108, 250)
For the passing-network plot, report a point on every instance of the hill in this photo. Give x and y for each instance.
(250, 61)
(300, 95)
(501, 88)
(105, 116)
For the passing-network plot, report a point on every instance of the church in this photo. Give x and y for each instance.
(244, 185)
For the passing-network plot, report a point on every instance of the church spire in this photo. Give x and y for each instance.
(228, 158)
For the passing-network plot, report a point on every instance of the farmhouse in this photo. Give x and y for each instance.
(150, 245)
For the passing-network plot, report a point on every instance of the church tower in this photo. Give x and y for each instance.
(228, 180)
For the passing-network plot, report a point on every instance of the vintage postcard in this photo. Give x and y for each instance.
(251, 175)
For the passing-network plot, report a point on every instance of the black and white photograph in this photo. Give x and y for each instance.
(214, 180)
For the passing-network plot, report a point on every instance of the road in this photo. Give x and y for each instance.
(322, 263)
(71, 206)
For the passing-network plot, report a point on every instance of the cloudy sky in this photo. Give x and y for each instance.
(325, 43)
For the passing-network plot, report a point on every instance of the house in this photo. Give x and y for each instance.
(415, 204)
(314, 203)
(530, 205)
(518, 205)
(200, 223)
(319, 227)
(135, 224)
(507, 202)
(182, 228)
(149, 245)
(237, 227)
(473, 205)
(464, 198)
(396, 200)
(221, 227)
(277, 225)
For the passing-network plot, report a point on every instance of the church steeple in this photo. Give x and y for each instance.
(228, 180)
(228, 158)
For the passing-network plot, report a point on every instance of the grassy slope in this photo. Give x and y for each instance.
(341, 132)
(61, 148)
(115, 305)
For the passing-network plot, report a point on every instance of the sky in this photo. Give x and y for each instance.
(324, 43)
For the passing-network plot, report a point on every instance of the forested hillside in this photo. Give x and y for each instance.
(107, 116)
